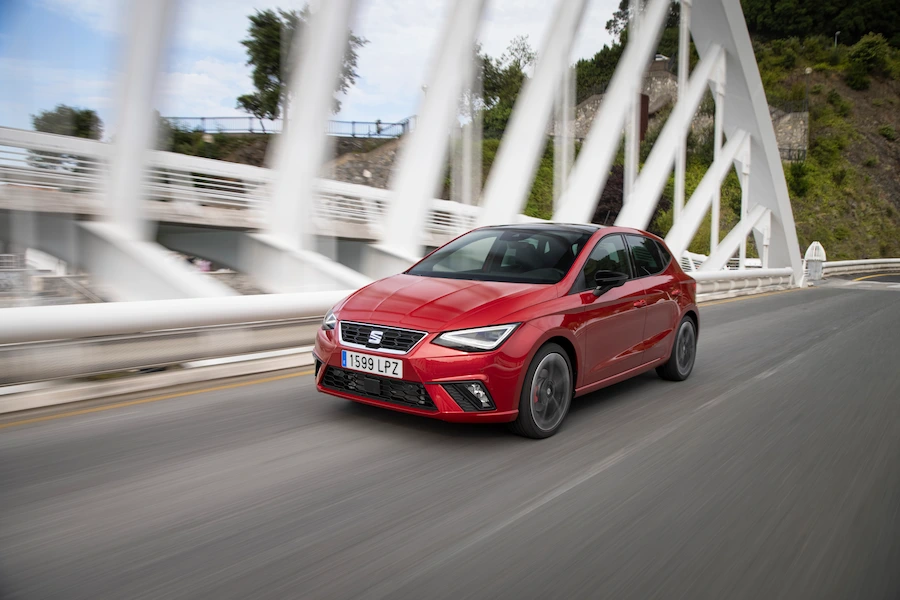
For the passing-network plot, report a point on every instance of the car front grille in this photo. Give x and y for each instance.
(406, 393)
(376, 337)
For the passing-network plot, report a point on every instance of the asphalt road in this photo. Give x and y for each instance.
(773, 472)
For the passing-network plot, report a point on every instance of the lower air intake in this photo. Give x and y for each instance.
(406, 393)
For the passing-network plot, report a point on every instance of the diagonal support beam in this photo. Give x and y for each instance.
(512, 174)
(727, 247)
(591, 170)
(681, 234)
(637, 210)
(317, 53)
(421, 162)
(150, 27)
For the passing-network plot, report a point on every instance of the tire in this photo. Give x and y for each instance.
(542, 418)
(684, 353)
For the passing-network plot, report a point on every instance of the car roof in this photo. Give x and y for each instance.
(577, 227)
(549, 226)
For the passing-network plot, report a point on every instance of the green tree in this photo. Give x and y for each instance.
(69, 121)
(268, 43)
(853, 18)
(593, 74)
(66, 120)
(502, 79)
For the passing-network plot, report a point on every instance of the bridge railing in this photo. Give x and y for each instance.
(51, 342)
(47, 342)
(876, 265)
(365, 129)
(46, 166)
(712, 285)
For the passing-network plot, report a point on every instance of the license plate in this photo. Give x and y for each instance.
(377, 365)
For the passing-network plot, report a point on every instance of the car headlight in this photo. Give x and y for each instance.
(330, 321)
(480, 339)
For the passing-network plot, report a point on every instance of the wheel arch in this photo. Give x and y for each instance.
(693, 314)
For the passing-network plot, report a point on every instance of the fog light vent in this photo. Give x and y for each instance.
(471, 396)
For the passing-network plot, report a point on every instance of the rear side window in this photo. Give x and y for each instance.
(664, 255)
(646, 256)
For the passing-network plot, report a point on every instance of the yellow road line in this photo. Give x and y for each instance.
(94, 409)
(747, 297)
(875, 275)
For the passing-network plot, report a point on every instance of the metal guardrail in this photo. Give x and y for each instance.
(367, 129)
(843, 267)
(46, 164)
(52, 342)
(27, 363)
(39, 343)
(47, 342)
(725, 284)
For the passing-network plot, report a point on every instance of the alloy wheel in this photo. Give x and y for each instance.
(551, 392)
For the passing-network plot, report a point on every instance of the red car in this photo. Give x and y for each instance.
(510, 323)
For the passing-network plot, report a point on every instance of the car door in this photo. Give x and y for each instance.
(611, 332)
(650, 265)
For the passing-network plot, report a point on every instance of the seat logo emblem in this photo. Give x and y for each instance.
(375, 337)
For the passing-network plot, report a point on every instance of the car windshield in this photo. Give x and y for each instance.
(506, 254)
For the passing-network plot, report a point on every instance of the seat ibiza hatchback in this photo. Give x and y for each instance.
(510, 323)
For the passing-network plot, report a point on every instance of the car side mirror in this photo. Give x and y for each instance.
(607, 280)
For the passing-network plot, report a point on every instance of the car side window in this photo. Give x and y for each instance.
(610, 254)
(645, 254)
(664, 255)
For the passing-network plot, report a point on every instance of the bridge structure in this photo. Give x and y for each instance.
(125, 473)
(119, 210)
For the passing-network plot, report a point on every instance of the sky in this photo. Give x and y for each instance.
(70, 52)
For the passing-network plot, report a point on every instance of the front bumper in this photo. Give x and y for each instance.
(428, 368)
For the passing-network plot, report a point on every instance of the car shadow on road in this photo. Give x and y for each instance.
(384, 421)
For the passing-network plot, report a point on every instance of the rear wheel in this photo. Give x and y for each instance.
(546, 393)
(684, 351)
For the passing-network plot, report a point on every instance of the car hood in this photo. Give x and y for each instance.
(437, 304)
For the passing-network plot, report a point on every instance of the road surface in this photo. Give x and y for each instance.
(773, 472)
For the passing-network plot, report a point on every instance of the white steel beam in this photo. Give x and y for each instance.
(684, 49)
(745, 204)
(564, 134)
(512, 174)
(421, 160)
(746, 108)
(633, 120)
(681, 234)
(719, 90)
(591, 169)
(136, 127)
(637, 211)
(317, 53)
(728, 246)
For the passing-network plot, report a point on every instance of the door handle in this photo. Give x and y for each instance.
(640, 304)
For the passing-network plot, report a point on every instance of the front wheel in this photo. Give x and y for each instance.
(684, 351)
(546, 393)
